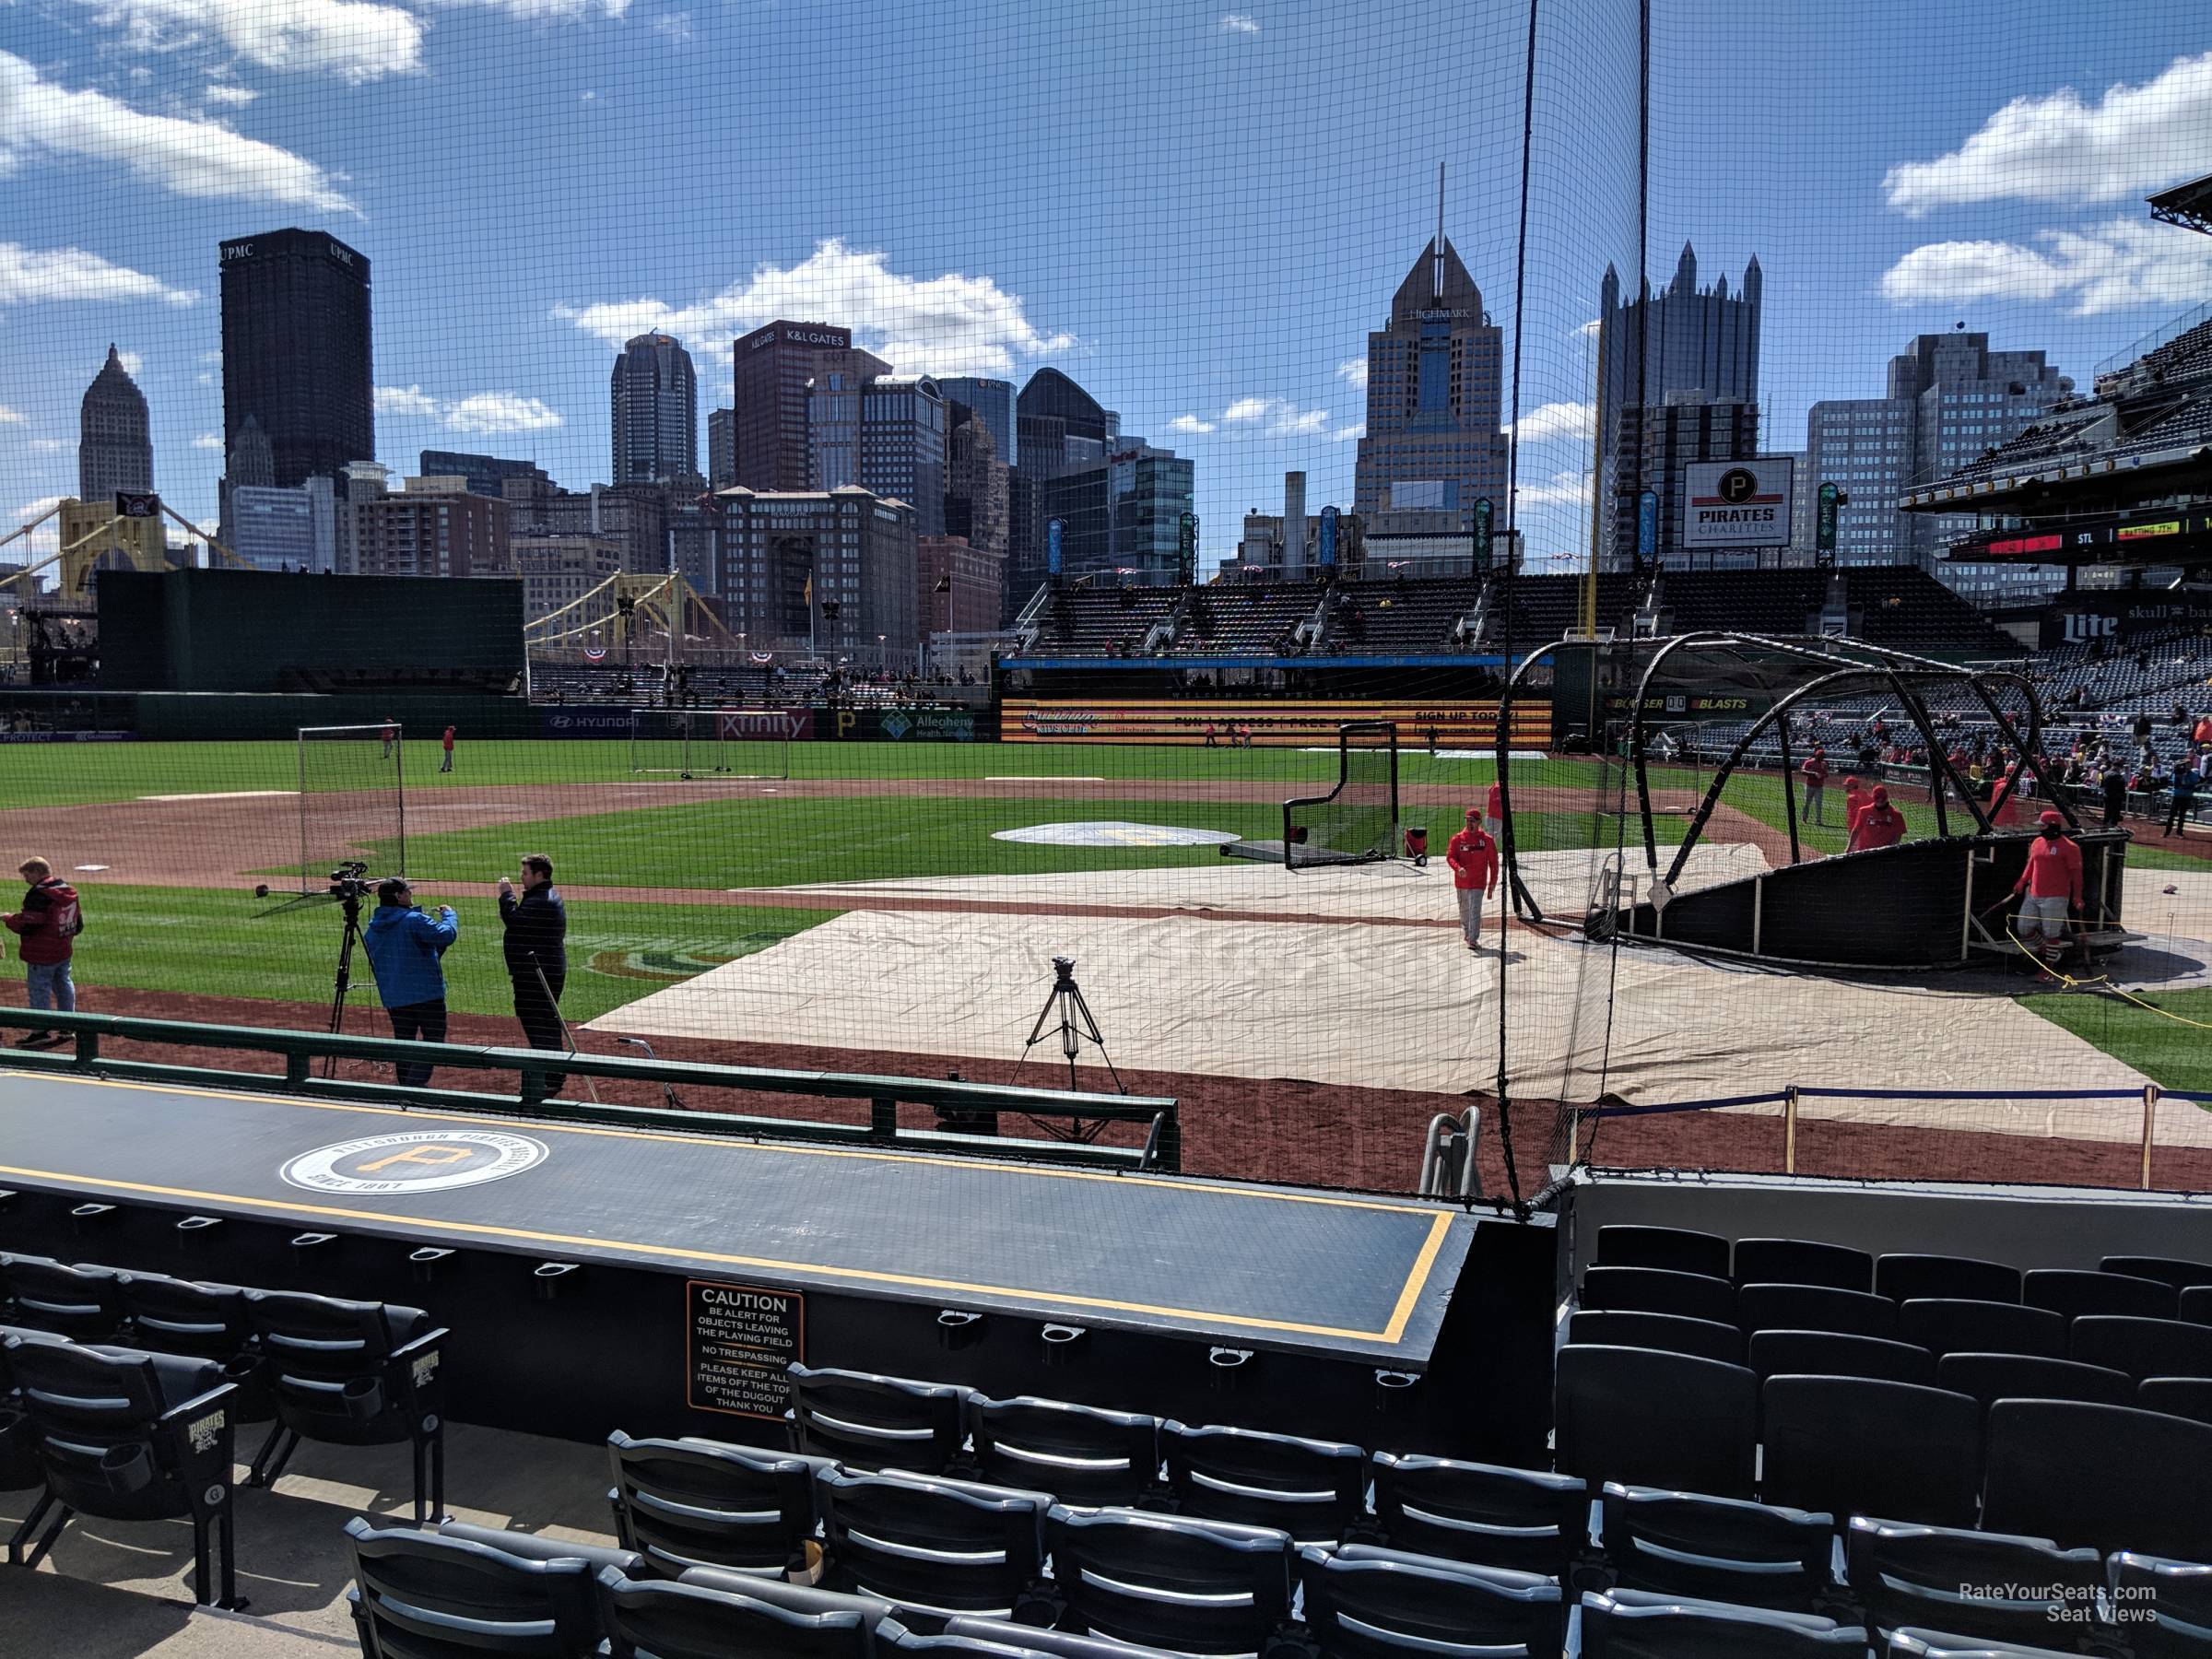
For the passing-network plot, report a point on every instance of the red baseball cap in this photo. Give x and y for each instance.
(2051, 818)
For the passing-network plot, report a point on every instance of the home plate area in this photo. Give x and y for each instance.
(1112, 832)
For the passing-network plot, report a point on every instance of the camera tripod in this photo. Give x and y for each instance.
(348, 886)
(1077, 1027)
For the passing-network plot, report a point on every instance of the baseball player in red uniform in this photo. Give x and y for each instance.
(2051, 880)
(1493, 810)
(1472, 856)
(1878, 824)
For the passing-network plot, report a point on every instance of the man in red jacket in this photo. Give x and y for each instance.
(1814, 772)
(1472, 856)
(2052, 878)
(1878, 824)
(1493, 809)
(48, 924)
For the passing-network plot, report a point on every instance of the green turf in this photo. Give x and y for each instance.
(2174, 1054)
(213, 944)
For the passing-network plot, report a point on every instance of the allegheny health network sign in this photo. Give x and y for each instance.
(1737, 503)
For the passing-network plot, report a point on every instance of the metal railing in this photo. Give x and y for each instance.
(1083, 1115)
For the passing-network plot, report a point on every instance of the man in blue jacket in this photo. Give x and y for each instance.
(404, 945)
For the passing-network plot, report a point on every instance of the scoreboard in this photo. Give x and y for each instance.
(2167, 536)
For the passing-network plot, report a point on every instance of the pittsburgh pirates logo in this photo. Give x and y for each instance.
(1737, 485)
(414, 1161)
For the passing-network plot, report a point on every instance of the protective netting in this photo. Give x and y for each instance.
(1358, 819)
(710, 742)
(351, 800)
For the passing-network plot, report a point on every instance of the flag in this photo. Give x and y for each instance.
(806, 593)
(945, 583)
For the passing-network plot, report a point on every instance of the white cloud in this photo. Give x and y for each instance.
(1558, 420)
(1349, 434)
(589, 97)
(2062, 148)
(542, 11)
(30, 275)
(1240, 23)
(229, 94)
(2103, 268)
(131, 363)
(1284, 419)
(947, 325)
(1591, 329)
(31, 509)
(1354, 371)
(186, 157)
(1247, 409)
(677, 26)
(1561, 489)
(483, 412)
(357, 41)
(12, 416)
(1189, 423)
(208, 441)
(47, 446)
(215, 357)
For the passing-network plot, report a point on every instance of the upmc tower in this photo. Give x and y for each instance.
(296, 352)
(775, 365)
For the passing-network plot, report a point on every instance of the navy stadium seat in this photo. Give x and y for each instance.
(1962, 1325)
(699, 1503)
(1938, 1644)
(1717, 1548)
(47, 1295)
(1801, 1261)
(1977, 1583)
(1904, 1277)
(1191, 1586)
(1527, 1519)
(945, 1546)
(1675, 1248)
(2197, 1305)
(796, 1598)
(425, 1593)
(993, 1638)
(868, 1421)
(535, 1546)
(2072, 1293)
(1363, 1603)
(1311, 1488)
(1849, 1445)
(1659, 1290)
(1815, 1308)
(2163, 1607)
(1079, 1454)
(2165, 1269)
(1706, 1338)
(1629, 1624)
(127, 1436)
(654, 1619)
(1992, 1377)
(1648, 1419)
(2177, 1396)
(2102, 1476)
(210, 1322)
(2143, 1348)
(1833, 1354)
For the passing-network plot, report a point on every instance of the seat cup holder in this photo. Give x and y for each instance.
(958, 1328)
(364, 1398)
(1060, 1341)
(1228, 1367)
(241, 1367)
(1394, 1391)
(127, 1469)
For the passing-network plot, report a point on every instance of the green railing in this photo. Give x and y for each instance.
(1078, 1116)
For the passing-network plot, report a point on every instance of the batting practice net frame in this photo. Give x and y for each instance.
(350, 776)
(706, 743)
(1356, 821)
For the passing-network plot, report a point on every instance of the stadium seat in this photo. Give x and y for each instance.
(1937, 1645)
(128, 1436)
(428, 1593)
(535, 1546)
(867, 1421)
(2102, 1476)
(52, 1296)
(2197, 1305)
(1191, 1586)
(1311, 1488)
(20, 1467)
(991, 1639)
(2177, 1396)
(208, 1322)
(1724, 1549)
(1525, 1519)
(2071, 1293)
(1961, 1325)
(1675, 1248)
(1849, 1445)
(1706, 1338)
(944, 1546)
(1801, 1261)
(1977, 1583)
(653, 1620)
(1991, 1377)
(1832, 1354)
(1629, 1624)
(698, 1503)
(351, 1373)
(1363, 1603)
(1648, 1418)
(2143, 1348)
(796, 1598)
(1659, 1290)
(1964, 1279)
(2165, 1269)
(2162, 1607)
(1079, 1454)
(1814, 1308)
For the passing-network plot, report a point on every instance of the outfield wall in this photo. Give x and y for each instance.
(1186, 721)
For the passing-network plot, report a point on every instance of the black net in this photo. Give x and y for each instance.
(735, 744)
(1357, 820)
(351, 800)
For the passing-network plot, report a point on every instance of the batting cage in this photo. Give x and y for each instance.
(1357, 820)
(709, 743)
(352, 800)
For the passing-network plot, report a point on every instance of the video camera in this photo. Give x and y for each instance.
(351, 881)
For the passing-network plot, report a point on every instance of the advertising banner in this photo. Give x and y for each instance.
(904, 725)
(2083, 618)
(1280, 724)
(1737, 503)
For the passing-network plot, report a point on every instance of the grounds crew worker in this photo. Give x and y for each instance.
(1472, 856)
(537, 957)
(2052, 879)
(405, 950)
(48, 924)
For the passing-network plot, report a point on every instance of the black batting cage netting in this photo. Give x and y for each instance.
(1126, 488)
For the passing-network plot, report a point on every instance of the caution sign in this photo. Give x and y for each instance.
(741, 1338)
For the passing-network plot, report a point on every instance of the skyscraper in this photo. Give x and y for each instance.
(487, 475)
(976, 502)
(654, 398)
(114, 447)
(1666, 349)
(774, 368)
(1433, 375)
(722, 448)
(1062, 430)
(295, 351)
(902, 447)
(993, 401)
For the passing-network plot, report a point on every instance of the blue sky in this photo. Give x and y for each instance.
(1198, 210)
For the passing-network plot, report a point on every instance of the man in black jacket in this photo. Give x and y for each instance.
(535, 947)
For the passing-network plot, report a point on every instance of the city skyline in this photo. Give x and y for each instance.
(1885, 198)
